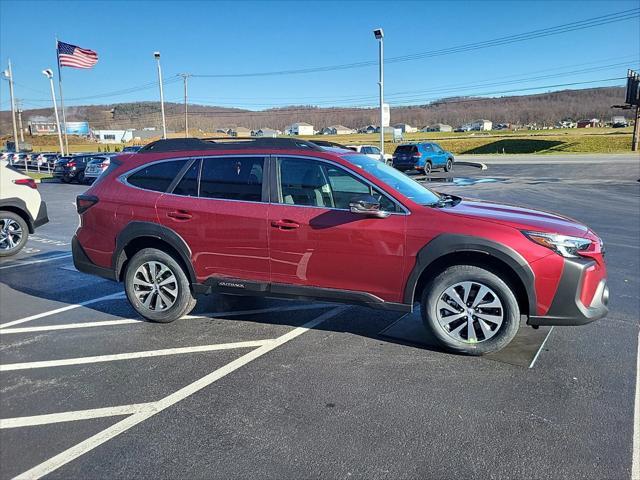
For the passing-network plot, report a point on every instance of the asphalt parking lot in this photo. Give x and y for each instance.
(278, 389)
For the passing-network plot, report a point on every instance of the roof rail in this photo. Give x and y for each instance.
(226, 143)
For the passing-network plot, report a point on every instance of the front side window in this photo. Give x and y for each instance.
(157, 176)
(428, 148)
(232, 178)
(318, 184)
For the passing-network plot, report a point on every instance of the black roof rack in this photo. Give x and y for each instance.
(226, 143)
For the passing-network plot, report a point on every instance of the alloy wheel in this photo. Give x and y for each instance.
(10, 234)
(470, 312)
(155, 286)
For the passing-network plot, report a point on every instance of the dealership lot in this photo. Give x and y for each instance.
(286, 389)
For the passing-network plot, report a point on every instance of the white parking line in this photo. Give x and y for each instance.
(635, 462)
(8, 367)
(113, 296)
(49, 418)
(31, 262)
(68, 326)
(98, 439)
(533, 362)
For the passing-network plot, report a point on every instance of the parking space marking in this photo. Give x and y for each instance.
(635, 461)
(89, 414)
(48, 313)
(125, 424)
(9, 367)
(533, 362)
(31, 262)
(69, 326)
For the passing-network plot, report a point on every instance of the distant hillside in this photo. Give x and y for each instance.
(546, 108)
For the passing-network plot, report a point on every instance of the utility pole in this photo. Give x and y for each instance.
(8, 74)
(636, 131)
(185, 77)
(20, 121)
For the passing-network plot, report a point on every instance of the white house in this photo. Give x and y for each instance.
(113, 136)
(405, 128)
(266, 132)
(481, 124)
(438, 127)
(299, 128)
(337, 130)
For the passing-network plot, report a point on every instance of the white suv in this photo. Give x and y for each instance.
(21, 209)
(370, 151)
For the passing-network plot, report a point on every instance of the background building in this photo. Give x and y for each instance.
(113, 136)
(300, 128)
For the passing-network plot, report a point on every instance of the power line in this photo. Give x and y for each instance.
(545, 32)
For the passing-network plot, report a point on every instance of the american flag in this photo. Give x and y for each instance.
(76, 57)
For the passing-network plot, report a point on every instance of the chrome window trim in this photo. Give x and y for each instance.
(335, 164)
(123, 177)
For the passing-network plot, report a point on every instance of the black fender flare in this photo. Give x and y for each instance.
(135, 230)
(452, 243)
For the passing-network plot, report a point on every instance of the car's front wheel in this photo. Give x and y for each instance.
(449, 165)
(157, 286)
(470, 310)
(14, 232)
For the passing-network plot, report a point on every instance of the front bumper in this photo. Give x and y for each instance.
(567, 307)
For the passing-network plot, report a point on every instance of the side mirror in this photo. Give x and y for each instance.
(367, 205)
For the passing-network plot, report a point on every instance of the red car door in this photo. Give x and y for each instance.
(316, 241)
(218, 209)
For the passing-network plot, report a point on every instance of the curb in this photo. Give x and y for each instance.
(481, 166)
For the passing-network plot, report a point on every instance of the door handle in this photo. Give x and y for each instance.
(285, 224)
(180, 215)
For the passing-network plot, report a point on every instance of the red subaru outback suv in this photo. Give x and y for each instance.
(284, 217)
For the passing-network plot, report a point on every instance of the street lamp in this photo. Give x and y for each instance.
(49, 74)
(8, 75)
(156, 55)
(379, 34)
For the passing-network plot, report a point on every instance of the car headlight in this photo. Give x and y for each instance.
(561, 244)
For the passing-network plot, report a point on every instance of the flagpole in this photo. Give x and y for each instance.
(64, 116)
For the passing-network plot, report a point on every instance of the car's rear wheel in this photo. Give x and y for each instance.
(157, 286)
(470, 310)
(427, 168)
(65, 179)
(14, 232)
(449, 165)
(80, 178)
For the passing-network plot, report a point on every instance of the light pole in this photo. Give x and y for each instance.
(49, 74)
(8, 74)
(379, 34)
(185, 77)
(164, 125)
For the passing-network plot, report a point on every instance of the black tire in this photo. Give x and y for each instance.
(13, 218)
(184, 300)
(449, 165)
(427, 168)
(502, 335)
(65, 179)
(80, 178)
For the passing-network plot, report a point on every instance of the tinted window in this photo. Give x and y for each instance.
(188, 185)
(437, 148)
(232, 178)
(427, 147)
(405, 149)
(157, 176)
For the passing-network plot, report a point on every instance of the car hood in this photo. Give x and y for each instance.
(519, 217)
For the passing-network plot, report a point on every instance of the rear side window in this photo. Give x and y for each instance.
(157, 176)
(427, 147)
(232, 178)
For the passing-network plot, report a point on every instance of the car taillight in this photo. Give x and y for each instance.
(85, 202)
(71, 164)
(416, 155)
(28, 182)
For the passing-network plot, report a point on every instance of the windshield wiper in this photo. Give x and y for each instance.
(445, 200)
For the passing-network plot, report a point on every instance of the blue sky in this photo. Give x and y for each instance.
(243, 37)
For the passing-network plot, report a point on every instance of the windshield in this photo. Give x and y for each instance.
(395, 179)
